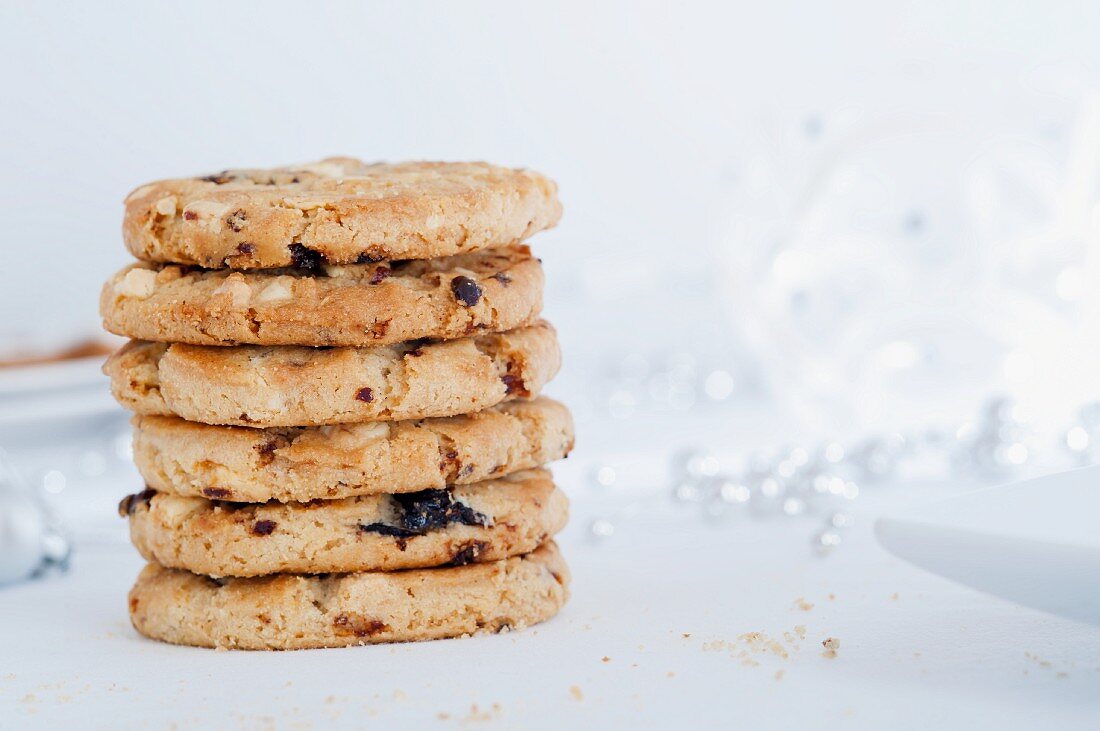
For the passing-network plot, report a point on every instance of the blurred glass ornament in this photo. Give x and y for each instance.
(31, 540)
(820, 483)
(889, 272)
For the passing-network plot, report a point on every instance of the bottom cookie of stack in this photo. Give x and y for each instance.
(289, 612)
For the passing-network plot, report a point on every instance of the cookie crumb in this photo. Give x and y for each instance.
(831, 645)
(779, 674)
(802, 604)
(606, 658)
(671, 674)
(575, 691)
(895, 596)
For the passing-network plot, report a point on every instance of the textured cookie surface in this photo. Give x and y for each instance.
(245, 464)
(486, 521)
(339, 210)
(296, 386)
(354, 304)
(288, 611)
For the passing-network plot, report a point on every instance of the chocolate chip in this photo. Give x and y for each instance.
(466, 291)
(190, 215)
(267, 450)
(246, 248)
(415, 352)
(429, 509)
(236, 220)
(306, 258)
(401, 534)
(379, 274)
(379, 329)
(514, 385)
(502, 278)
(263, 527)
(130, 503)
(218, 178)
(468, 553)
(364, 394)
(367, 258)
(217, 493)
(350, 623)
(420, 512)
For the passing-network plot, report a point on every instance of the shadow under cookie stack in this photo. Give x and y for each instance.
(335, 372)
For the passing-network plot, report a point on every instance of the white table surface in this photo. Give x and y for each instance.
(665, 600)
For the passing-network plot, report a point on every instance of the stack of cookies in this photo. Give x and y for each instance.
(335, 372)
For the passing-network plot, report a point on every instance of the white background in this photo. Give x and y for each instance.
(662, 122)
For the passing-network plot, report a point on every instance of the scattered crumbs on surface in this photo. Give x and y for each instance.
(687, 635)
(831, 645)
(641, 647)
(288, 684)
(671, 674)
(802, 604)
(442, 716)
(832, 597)
(575, 691)
(476, 714)
(606, 658)
(633, 664)
(800, 630)
(1037, 659)
(779, 674)
(895, 596)
(399, 695)
(30, 698)
(331, 699)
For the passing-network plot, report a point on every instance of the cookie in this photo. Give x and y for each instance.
(486, 521)
(246, 464)
(296, 386)
(290, 612)
(340, 210)
(354, 304)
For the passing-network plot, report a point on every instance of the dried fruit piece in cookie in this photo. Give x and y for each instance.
(339, 211)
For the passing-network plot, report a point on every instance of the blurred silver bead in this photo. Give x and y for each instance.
(604, 475)
(601, 528)
(734, 492)
(842, 520)
(1077, 440)
(826, 541)
(794, 506)
(688, 491)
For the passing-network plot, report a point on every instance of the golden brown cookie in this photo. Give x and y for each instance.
(355, 304)
(486, 521)
(245, 464)
(291, 612)
(297, 386)
(340, 211)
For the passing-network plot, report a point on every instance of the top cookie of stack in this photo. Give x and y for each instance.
(403, 252)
